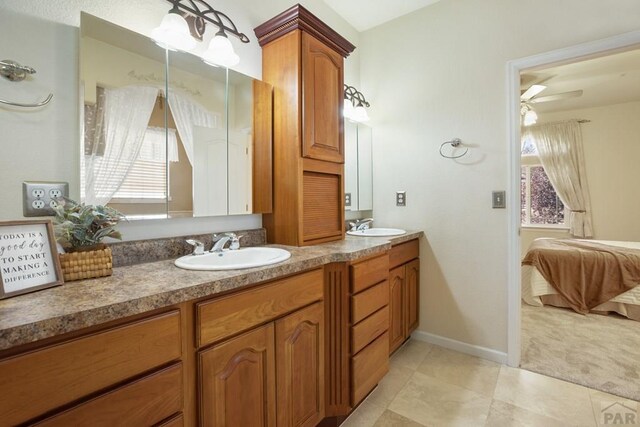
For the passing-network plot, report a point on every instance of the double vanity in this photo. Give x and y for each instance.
(294, 333)
(293, 343)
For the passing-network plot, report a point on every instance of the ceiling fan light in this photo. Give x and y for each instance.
(360, 114)
(173, 33)
(220, 52)
(530, 118)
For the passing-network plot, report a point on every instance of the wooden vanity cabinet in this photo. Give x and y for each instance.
(304, 61)
(404, 292)
(273, 372)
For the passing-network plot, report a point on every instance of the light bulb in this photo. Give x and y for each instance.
(173, 33)
(347, 110)
(360, 114)
(530, 118)
(220, 52)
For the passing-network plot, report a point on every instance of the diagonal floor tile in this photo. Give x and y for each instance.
(545, 396)
(460, 369)
(390, 385)
(391, 419)
(365, 415)
(506, 415)
(432, 402)
(411, 354)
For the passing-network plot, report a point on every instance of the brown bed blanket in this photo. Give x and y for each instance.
(586, 274)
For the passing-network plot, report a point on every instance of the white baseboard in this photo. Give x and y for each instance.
(462, 347)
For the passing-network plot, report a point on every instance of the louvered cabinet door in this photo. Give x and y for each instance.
(237, 381)
(322, 210)
(300, 367)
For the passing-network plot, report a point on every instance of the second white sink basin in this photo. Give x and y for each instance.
(377, 232)
(233, 259)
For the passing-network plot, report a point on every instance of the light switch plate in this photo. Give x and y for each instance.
(401, 198)
(39, 197)
(347, 199)
(498, 200)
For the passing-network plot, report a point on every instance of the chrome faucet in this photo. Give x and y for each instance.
(361, 224)
(198, 246)
(221, 240)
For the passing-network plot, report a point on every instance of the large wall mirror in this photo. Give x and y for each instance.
(165, 134)
(358, 167)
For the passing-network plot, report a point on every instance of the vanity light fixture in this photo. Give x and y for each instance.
(174, 32)
(355, 105)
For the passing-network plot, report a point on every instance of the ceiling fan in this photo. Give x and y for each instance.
(534, 87)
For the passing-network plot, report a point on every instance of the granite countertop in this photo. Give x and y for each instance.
(140, 288)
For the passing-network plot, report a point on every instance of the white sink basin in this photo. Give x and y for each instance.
(378, 232)
(233, 260)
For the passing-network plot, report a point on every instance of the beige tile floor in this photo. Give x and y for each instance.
(432, 386)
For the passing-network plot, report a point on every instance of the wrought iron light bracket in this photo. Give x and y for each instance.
(202, 12)
(355, 96)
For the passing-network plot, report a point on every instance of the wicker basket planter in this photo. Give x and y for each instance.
(88, 263)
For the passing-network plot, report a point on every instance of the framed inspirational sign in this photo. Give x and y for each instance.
(28, 257)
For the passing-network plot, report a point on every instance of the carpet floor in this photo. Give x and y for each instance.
(601, 352)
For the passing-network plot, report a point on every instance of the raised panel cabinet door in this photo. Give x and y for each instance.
(322, 95)
(237, 381)
(300, 367)
(396, 307)
(412, 296)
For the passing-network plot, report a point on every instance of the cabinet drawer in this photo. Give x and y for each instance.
(369, 301)
(403, 253)
(367, 273)
(369, 329)
(235, 313)
(42, 380)
(368, 367)
(144, 402)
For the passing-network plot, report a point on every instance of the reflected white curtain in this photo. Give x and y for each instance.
(560, 150)
(188, 114)
(123, 126)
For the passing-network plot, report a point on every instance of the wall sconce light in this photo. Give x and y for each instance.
(354, 105)
(174, 32)
(529, 116)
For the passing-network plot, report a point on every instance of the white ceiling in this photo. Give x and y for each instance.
(365, 14)
(607, 80)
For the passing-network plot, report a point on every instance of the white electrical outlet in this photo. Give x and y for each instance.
(40, 198)
(55, 193)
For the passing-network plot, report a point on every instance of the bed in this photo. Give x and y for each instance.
(537, 291)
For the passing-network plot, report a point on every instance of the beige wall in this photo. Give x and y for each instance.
(44, 144)
(612, 158)
(440, 73)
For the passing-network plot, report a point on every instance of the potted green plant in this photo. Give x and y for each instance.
(80, 229)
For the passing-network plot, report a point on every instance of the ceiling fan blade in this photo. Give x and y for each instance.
(557, 97)
(531, 92)
(527, 80)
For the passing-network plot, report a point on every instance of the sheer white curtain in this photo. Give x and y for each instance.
(123, 125)
(188, 114)
(560, 150)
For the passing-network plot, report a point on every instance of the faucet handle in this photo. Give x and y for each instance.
(198, 246)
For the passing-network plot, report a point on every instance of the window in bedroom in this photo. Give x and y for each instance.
(539, 203)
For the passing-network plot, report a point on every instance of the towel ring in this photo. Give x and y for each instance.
(36, 105)
(455, 143)
(15, 72)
